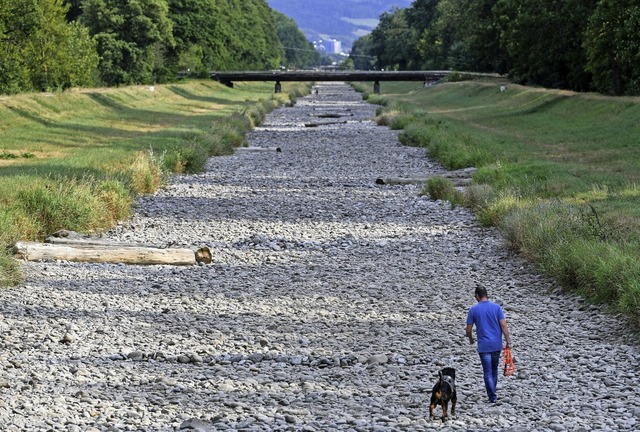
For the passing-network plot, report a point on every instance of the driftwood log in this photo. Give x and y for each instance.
(459, 178)
(69, 246)
(259, 149)
(332, 115)
(316, 124)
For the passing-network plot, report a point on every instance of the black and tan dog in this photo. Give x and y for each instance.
(443, 392)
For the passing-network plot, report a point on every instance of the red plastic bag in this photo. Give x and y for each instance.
(509, 365)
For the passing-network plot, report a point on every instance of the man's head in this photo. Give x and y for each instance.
(481, 292)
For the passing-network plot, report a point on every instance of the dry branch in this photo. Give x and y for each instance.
(259, 149)
(323, 123)
(459, 178)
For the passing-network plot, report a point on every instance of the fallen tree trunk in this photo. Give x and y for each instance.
(323, 123)
(459, 178)
(458, 182)
(332, 115)
(259, 149)
(106, 253)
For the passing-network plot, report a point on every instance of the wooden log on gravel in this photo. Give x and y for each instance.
(459, 178)
(457, 182)
(105, 253)
(259, 149)
(332, 115)
(323, 123)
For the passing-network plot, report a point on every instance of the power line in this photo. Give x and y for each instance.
(314, 50)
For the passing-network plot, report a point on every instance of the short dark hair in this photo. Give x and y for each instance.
(481, 292)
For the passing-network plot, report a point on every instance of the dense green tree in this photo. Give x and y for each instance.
(18, 19)
(462, 35)
(130, 36)
(75, 9)
(391, 41)
(40, 50)
(59, 55)
(421, 14)
(479, 35)
(613, 47)
(361, 54)
(197, 31)
(544, 40)
(298, 51)
(421, 17)
(222, 35)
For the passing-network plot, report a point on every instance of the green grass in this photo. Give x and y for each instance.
(76, 160)
(558, 173)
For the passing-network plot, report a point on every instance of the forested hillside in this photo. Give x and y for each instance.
(50, 45)
(344, 20)
(574, 44)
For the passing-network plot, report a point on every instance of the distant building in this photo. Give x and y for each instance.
(333, 46)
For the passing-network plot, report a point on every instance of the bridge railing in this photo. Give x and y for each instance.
(428, 77)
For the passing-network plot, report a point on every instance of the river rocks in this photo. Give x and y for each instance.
(331, 304)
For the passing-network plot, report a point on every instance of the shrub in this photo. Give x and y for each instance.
(496, 210)
(10, 272)
(456, 151)
(386, 118)
(63, 204)
(401, 121)
(190, 156)
(440, 188)
(479, 196)
(416, 134)
(256, 114)
(601, 271)
(116, 200)
(145, 174)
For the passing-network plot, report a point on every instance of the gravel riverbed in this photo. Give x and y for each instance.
(330, 305)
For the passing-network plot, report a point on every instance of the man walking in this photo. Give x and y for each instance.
(491, 325)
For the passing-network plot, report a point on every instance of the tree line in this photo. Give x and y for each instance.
(582, 45)
(49, 45)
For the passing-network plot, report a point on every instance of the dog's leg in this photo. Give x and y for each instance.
(432, 406)
(453, 405)
(445, 414)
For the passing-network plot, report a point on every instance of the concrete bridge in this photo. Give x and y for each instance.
(428, 77)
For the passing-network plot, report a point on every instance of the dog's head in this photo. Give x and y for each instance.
(448, 375)
(446, 385)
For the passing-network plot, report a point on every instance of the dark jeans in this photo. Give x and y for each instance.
(490, 362)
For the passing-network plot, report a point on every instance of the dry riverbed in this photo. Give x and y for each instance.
(330, 304)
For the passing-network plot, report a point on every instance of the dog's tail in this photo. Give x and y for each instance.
(441, 378)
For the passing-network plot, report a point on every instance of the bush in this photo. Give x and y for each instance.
(416, 134)
(440, 188)
(386, 118)
(116, 200)
(479, 196)
(601, 271)
(457, 151)
(62, 204)
(10, 272)
(496, 210)
(145, 174)
(257, 114)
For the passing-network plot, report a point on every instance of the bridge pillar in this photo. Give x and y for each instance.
(376, 87)
(278, 87)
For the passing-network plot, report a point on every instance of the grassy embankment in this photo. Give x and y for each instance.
(558, 173)
(77, 160)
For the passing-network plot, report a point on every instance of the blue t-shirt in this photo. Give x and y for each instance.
(486, 316)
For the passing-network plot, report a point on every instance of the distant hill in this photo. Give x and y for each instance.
(344, 20)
